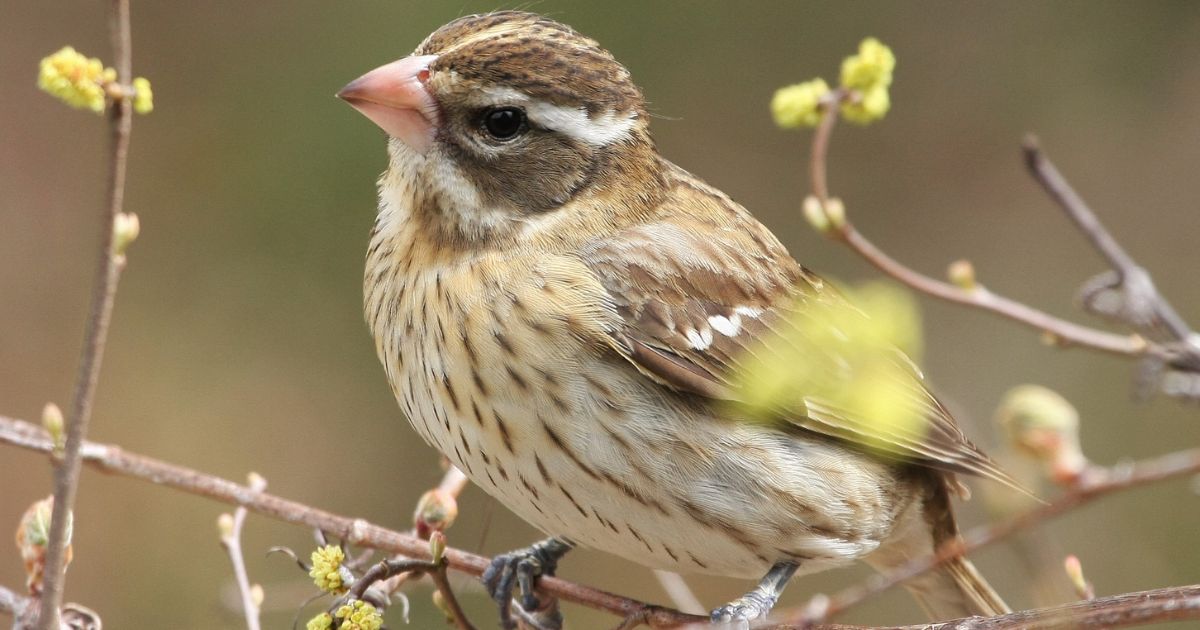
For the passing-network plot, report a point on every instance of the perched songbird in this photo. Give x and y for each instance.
(561, 312)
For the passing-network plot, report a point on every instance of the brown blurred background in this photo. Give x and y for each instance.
(238, 343)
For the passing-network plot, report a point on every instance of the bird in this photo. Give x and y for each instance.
(562, 313)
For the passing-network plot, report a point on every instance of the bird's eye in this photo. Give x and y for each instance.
(504, 123)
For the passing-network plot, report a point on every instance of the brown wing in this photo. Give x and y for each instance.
(697, 296)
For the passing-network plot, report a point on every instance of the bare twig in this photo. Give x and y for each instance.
(1131, 609)
(386, 569)
(1097, 483)
(1141, 306)
(231, 540)
(113, 459)
(1061, 331)
(108, 271)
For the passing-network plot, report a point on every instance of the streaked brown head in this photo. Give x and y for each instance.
(507, 112)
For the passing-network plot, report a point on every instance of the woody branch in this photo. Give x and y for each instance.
(1114, 612)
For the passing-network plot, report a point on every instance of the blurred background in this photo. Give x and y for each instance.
(238, 344)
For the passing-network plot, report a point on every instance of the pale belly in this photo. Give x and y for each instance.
(636, 474)
(583, 447)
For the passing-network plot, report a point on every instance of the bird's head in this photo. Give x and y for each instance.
(497, 120)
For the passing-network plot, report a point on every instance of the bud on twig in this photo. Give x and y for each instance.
(125, 231)
(436, 511)
(52, 422)
(33, 535)
(1074, 570)
(225, 525)
(1044, 425)
(962, 274)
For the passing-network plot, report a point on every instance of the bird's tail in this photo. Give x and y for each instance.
(955, 589)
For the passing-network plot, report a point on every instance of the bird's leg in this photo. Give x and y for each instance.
(758, 602)
(521, 568)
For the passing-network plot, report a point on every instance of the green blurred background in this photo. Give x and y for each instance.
(238, 344)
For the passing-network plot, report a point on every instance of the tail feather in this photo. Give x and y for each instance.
(952, 591)
(956, 590)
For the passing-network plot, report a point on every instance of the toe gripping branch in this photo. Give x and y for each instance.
(521, 568)
(758, 602)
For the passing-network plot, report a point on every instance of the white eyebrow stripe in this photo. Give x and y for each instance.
(598, 131)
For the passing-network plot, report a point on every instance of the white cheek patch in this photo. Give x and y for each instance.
(457, 192)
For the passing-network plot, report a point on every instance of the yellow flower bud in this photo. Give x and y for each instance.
(871, 105)
(799, 105)
(143, 96)
(871, 67)
(868, 74)
(74, 79)
(326, 570)
(359, 615)
(323, 621)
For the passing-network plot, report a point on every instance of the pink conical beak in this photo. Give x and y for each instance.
(394, 97)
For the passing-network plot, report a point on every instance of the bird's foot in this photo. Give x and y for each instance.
(745, 609)
(756, 604)
(520, 569)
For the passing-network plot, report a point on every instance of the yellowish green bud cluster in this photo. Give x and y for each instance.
(323, 621)
(85, 83)
(75, 79)
(359, 615)
(799, 105)
(143, 96)
(326, 570)
(868, 74)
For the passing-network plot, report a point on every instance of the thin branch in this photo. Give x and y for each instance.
(1177, 603)
(1092, 486)
(231, 540)
(113, 459)
(1062, 331)
(108, 271)
(1133, 277)
(1165, 604)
